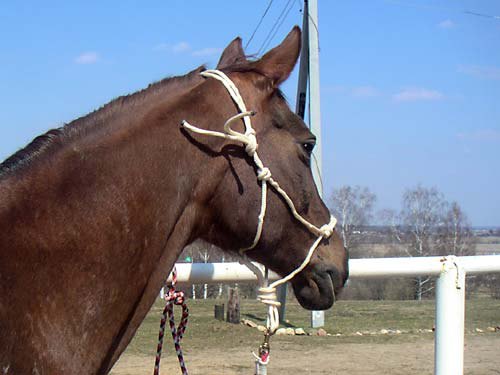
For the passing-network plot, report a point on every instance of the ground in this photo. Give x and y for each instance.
(415, 358)
(213, 347)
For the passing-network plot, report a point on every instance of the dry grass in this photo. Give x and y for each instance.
(346, 318)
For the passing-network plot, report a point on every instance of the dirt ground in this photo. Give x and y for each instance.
(482, 357)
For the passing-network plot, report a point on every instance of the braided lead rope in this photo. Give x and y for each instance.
(267, 293)
(173, 297)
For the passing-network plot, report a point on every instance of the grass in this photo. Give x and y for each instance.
(346, 318)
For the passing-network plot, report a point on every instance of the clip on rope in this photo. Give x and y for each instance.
(267, 293)
(173, 297)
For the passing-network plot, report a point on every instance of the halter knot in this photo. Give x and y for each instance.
(267, 295)
(263, 174)
(327, 230)
(250, 143)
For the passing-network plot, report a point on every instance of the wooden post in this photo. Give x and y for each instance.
(219, 311)
(233, 306)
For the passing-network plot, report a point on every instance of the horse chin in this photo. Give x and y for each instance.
(316, 289)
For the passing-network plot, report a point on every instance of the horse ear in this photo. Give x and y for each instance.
(232, 54)
(278, 63)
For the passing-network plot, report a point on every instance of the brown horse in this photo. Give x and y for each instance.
(93, 215)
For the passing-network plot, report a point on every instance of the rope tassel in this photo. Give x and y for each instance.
(173, 297)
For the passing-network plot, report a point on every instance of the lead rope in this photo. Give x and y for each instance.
(173, 297)
(266, 293)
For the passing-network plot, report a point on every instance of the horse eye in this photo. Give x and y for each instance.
(308, 147)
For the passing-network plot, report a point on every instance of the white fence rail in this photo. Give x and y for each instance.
(450, 291)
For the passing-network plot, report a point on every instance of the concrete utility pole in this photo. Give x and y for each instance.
(309, 71)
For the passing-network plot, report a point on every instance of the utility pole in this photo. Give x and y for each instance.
(300, 109)
(309, 71)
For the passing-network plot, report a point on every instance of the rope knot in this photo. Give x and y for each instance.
(264, 174)
(327, 230)
(251, 143)
(175, 297)
(267, 295)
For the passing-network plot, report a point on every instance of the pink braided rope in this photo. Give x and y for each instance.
(173, 297)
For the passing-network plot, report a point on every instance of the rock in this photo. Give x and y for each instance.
(491, 329)
(249, 323)
(338, 334)
(290, 331)
(261, 328)
(321, 332)
(358, 333)
(384, 331)
(281, 332)
(479, 330)
(300, 332)
(397, 332)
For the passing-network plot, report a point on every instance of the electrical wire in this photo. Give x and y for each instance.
(481, 14)
(275, 27)
(279, 26)
(259, 23)
(441, 8)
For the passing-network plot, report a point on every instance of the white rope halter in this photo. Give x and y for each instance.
(266, 293)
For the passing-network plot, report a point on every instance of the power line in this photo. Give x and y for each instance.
(271, 33)
(441, 8)
(481, 14)
(260, 22)
(279, 26)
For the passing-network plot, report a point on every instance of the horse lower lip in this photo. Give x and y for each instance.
(325, 283)
(332, 284)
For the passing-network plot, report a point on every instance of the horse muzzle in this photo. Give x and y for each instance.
(317, 287)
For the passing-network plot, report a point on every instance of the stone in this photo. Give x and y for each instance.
(479, 330)
(358, 333)
(280, 332)
(491, 329)
(321, 332)
(249, 323)
(290, 331)
(300, 332)
(384, 331)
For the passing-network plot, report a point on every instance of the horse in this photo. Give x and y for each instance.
(93, 215)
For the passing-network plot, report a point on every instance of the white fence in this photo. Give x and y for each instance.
(450, 291)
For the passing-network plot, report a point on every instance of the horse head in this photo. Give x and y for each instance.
(285, 147)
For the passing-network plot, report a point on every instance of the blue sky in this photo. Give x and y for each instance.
(410, 89)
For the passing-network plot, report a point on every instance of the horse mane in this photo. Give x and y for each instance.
(55, 138)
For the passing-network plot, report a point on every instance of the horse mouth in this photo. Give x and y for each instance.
(317, 288)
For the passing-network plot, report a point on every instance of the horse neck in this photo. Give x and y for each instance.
(115, 207)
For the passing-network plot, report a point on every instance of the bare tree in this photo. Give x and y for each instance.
(353, 207)
(417, 226)
(456, 236)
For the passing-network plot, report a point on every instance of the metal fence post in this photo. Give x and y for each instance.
(450, 311)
